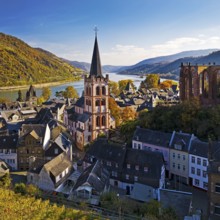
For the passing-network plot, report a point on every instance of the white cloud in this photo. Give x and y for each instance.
(131, 54)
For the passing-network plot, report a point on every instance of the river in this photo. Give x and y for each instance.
(78, 85)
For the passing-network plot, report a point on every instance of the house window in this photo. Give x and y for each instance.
(173, 155)
(135, 178)
(60, 176)
(136, 167)
(127, 177)
(145, 169)
(217, 209)
(1, 151)
(184, 157)
(178, 156)
(196, 182)
(128, 166)
(139, 146)
(116, 165)
(204, 163)
(173, 165)
(193, 159)
(204, 173)
(184, 167)
(198, 172)
(205, 185)
(55, 151)
(109, 163)
(217, 187)
(193, 170)
(199, 161)
(135, 145)
(114, 174)
(178, 166)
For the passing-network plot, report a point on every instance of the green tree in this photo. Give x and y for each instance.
(20, 96)
(20, 188)
(46, 93)
(5, 181)
(70, 92)
(152, 80)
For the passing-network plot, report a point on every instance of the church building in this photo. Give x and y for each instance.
(200, 81)
(90, 117)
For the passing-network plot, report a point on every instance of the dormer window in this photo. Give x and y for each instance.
(55, 151)
(129, 166)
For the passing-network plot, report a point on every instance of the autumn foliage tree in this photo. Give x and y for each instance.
(115, 111)
(113, 88)
(122, 84)
(152, 81)
(70, 92)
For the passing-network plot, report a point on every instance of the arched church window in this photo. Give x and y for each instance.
(97, 102)
(97, 90)
(103, 102)
(206, 84)
(90, 91)
(87, 90)
(103, 90)
(103, 120)
(98, 121)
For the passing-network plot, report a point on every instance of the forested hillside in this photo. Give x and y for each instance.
(21, 64)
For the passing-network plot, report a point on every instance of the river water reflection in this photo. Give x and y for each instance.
(78, 85)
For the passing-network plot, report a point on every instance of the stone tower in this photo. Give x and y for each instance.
(96, 96)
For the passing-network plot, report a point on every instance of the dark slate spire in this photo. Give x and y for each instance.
(96, 68)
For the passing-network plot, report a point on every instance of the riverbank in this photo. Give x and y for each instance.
(39, 85)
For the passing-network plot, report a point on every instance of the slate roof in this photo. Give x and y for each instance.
(179, 201)
(199, 148)
(80, 117)
(57, 165)
(95, 175)
(80, 102)
(182, 139)
(28, 128)
(102, 149)
(152, 137)
(8, 141)
(96, 68)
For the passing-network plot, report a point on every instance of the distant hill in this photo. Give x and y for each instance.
(169, 65)
(21, 64)
(86, 66)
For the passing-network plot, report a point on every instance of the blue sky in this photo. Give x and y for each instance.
(129, 30)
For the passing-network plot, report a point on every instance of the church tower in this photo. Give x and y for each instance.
(96, 96)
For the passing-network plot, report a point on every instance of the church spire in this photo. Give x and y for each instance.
(96, 68)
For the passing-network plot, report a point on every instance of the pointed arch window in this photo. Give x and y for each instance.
(97, 121)
(97, 102)
(103, 90)
(97, 90)
(90, 91)
(87, 90)
(103, 102)
(103, 121)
